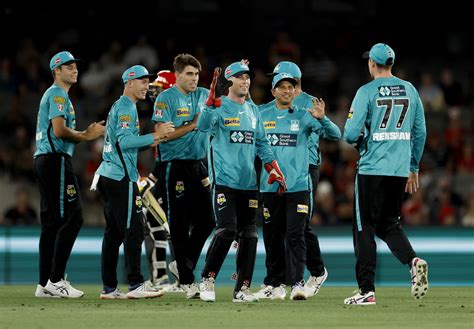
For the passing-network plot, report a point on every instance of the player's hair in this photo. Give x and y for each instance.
(388, 64)
(183, 60)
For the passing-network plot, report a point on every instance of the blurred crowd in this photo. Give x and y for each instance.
(446, 88)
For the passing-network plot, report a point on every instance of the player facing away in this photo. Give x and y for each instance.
(183, 175)
(117, 178)
(387, 124)
(61, 211)
(237, 135)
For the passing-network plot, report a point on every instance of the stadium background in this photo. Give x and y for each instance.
(326, 39)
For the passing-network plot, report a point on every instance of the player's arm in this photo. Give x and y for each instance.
(93, 131)
(180, 131)
(418, 135)
(356, 117)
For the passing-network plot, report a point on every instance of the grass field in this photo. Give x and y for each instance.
(443, 307)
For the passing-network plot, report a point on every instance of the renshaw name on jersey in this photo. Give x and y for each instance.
(392, 91)
(282, 139)
(241, 136)
(391, 136)
(270, 124)
(183, 112)
(232, 122)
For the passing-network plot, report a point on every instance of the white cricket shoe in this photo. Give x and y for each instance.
(63, 288)
(176, 287)
(143, 291)
(419, 278)
(114, 294)
(314, 283)
(206, 288)
(192, 290)
(266, 292)
(297, 292)
(279, 292)
(244, 295)
(43, 293)
(361, 299)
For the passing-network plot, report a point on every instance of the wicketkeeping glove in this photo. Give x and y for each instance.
(275, 175)
(219, 87)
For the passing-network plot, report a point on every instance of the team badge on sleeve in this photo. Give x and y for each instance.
(351, 111)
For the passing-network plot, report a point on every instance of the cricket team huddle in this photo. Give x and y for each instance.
(221, 161)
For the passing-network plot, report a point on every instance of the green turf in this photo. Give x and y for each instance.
(443, 307)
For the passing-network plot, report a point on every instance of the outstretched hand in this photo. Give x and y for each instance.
(318, 109)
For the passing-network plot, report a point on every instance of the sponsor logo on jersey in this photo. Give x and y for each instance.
(392, 91)
(125, 118)
(60, 107)
(232, 122)
(302, 208)
(124, 125)
(161, 105)
(391, 136)
(253, 203)
(241, 136)
(59, 100)
(71, 190)
(295, 125)
(221, 199)
(283, 139)
(183, 112)
(269, 124)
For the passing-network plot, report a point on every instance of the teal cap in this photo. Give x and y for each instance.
(64, 57)
(136, 72)
(381, 53)
(236, 69)
(283, 76)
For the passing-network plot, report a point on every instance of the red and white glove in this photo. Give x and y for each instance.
(211, 100)
(275, 175)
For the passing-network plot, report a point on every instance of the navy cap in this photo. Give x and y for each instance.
(381, 53)
(136, 72)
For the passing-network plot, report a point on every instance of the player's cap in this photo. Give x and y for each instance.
(287, 67)
(165, 79)
(136, 72)
(237, 69)
(283, 77)
(64, 57)
(381, 54)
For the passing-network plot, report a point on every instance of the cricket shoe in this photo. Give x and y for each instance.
(192, 290)
(63, 288)
(279, 292)
(361, 299)
(143, 291)
(314, 283)
(206, 288)
(113, 294)
(43, 293)
(266, 292)
(244, 295)
(419, 278)
(297, 291)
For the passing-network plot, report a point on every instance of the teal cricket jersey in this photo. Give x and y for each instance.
(54, 103)
(122, 141)
(390, 114)
(172, 105)
(289, 135)
(237, 135)
(329, 132)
